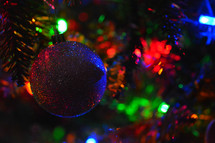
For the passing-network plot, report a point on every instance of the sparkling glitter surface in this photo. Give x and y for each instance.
(68, 79)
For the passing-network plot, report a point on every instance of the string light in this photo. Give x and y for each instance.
(101, 19)
(207, 20)
(163, 108)
(91, 140)
(62, 25)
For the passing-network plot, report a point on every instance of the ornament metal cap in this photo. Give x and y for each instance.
(57, 38)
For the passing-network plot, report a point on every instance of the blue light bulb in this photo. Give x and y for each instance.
(91, 140)
(208, 20)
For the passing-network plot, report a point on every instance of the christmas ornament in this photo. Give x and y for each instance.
(68, 79)
(210, 132)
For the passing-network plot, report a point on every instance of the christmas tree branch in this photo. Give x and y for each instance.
(18, 35)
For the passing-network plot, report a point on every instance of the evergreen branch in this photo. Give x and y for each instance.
(18, 35)
(52, 3)
(72, 2)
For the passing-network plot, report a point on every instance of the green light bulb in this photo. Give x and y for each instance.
(163, 108)
(62, 25)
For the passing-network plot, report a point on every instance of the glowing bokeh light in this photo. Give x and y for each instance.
(207, 20)
(111, 52)
(163, 108)
(203, 20)
(137, 52)
(160, 71)
(121, 107)
(101, 19)
(180, 85)
(91, 140)
(28, 87)
(195, 133)
(62, 25)
(58, 133)
(194, 116)
(83, 16)
(149, 89)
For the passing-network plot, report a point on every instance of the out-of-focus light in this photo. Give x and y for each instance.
(163, 107)
(156, 68)
(33, 20)
(149, 89)
(195, 133)
(111, 52)
(180, 85)
(137, 52)
(203, 20)
(51, 32)
(207, 20)
(100, 31)
(160, 71)
(62, 25)
(91, 140)
(101, 19)
(83, 16)
(194, 116)
(50, 43)
(121, 107)
(58, 133)
(28, 88)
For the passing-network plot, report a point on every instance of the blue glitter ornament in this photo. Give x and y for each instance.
(68, 79)
(210, 138)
